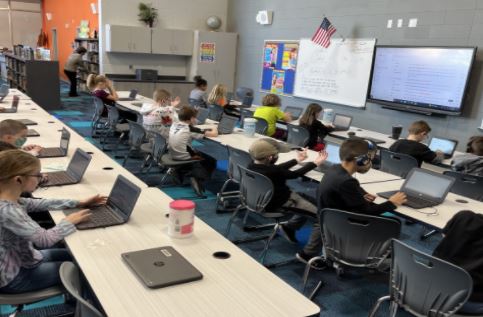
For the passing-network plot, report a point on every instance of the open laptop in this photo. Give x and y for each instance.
(119, 207)
(341, 122)
(75, 170)
(57, 151)
(294, 111)
(227, 124)
(27, 121)
(423, 188)
(332, 158)
(161, 267)
(132, 96)
(14, 107)
(447, 146)
(202, 115)
(32, 133)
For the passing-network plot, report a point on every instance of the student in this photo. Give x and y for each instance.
(472, 161)
(317, 130)
(338, 189)
(22, 267)
(160, 116)
(418, 132)
(270, 111)
(218, 96)
(15, 133)
(73, 62)
(181, 135)
(264, 153)
(199, 92)
(462, 245)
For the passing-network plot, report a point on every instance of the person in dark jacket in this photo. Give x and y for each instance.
(338, 189)
(472, 161)
(317, 130)
(74, 61)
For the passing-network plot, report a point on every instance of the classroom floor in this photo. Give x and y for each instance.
(352, 295)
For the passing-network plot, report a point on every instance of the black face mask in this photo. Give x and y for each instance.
(273, 160)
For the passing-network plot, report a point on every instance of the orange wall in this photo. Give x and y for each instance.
(66, 17)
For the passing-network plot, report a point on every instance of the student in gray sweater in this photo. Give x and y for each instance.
(472, 161)
(73, 62)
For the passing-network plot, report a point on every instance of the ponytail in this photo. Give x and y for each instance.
(93, 80)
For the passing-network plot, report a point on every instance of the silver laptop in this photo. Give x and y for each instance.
(294, 111)
(27, 121)
(333, 157)
(57, 151)
(14, 107)
(132, 96)
(341, 122)
(423, 188)
(119, 207)
(32, 133)
(227, 124)
(161, 267)
(447, 146)
(75, 170)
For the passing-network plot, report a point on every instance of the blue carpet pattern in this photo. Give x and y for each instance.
(352, 295)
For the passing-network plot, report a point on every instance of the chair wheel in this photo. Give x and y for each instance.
(339, 270)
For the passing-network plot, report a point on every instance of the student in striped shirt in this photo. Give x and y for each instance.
(23, 268)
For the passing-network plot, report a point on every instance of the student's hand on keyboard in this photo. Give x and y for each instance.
(93, 201)
(398, 198)
(78, 217)
(211, 133)
(369, 197)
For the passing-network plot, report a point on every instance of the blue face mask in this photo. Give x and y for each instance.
(20, 142)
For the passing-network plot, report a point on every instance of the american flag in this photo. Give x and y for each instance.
(323, 33)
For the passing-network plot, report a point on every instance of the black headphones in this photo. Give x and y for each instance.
(364, 159)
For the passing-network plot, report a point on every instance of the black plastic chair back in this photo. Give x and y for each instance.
(112, 116)
(99, 108)
(356, 239)
(261, 126)
(256, 190)
(297, 135)
(425, 285)
(160, 146)
(242, 92)
(237, 158)
(397, 163)
(215, 112)
(137, 134)
(470, 186)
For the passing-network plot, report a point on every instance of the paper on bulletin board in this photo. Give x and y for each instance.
(207, 52)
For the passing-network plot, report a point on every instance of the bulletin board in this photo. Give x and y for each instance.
(279, 67)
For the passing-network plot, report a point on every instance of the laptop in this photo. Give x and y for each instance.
(447, 146)
(161, 267)
(202, 115)
(341, 122)
(132, 96)
(75, 170)
(14, 107)
(332, 158)
(27, 121)
(57, 151)
(119, 207)
(32, 133)
(247, 101)
(294, 111)
(137, 104)
(227, 124)
(423, 188)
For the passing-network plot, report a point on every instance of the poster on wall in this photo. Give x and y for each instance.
(207, 52)
(279, 67)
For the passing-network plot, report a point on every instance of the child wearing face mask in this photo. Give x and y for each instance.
(15, 133)
(23, 268)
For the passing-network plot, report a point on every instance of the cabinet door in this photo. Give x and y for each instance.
(140, 40)
(162, 41)
(118, 38)
(182, 42)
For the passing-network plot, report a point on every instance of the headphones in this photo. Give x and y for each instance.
(364, 159)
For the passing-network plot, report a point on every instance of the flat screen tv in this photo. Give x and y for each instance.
(421, 79)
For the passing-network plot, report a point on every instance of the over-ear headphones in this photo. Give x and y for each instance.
(364, 159)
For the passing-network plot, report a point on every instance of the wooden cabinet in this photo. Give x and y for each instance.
(128, 39)
(172, 42)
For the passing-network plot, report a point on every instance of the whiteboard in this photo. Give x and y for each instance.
(337, 74)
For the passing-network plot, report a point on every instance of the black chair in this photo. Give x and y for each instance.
(196, 103)
(424, 285)
(137, 135)
(215, 112)
(236, 158)
(98, 122)
(261, 126)
(297, 135)
(113, 126)
(470, 186)
(396, 163)
(22, 299)
(242, 92)
(353, 240)
(155, 149)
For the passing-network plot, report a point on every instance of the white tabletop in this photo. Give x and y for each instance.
(132, 105)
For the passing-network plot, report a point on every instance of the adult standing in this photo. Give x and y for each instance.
(73, 62)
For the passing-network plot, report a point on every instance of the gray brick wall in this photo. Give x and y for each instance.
(440, 22)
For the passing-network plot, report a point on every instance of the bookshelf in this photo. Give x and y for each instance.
(39, 79)
(91, 60)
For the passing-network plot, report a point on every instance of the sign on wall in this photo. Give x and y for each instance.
(207, 52)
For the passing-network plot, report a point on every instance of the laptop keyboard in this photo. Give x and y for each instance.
(101, 216)
(60, 178)
(418, 202)
(51, 152)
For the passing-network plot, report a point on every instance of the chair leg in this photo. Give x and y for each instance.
(376, 306)
(228, 227)
(118, 142)
(316, 290)
(393, 309)
(126, 157)
(267, 243)
(308, 266)
(428, 234)
(165, 176)
(145, 162)
(219, 196)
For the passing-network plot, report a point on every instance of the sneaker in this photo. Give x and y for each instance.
(304, 258)
(288, 234)
(196, 187)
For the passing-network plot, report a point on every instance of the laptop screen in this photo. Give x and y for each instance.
(333, 153)
(78, 164)
(342, 121)
(227, 124)
(133, 93)
(428, 184)
(124, 196)
(64, 140)
(444, 145)
(294, 111)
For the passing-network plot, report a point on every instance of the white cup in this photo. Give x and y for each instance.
(181, 218)
(249, 126)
